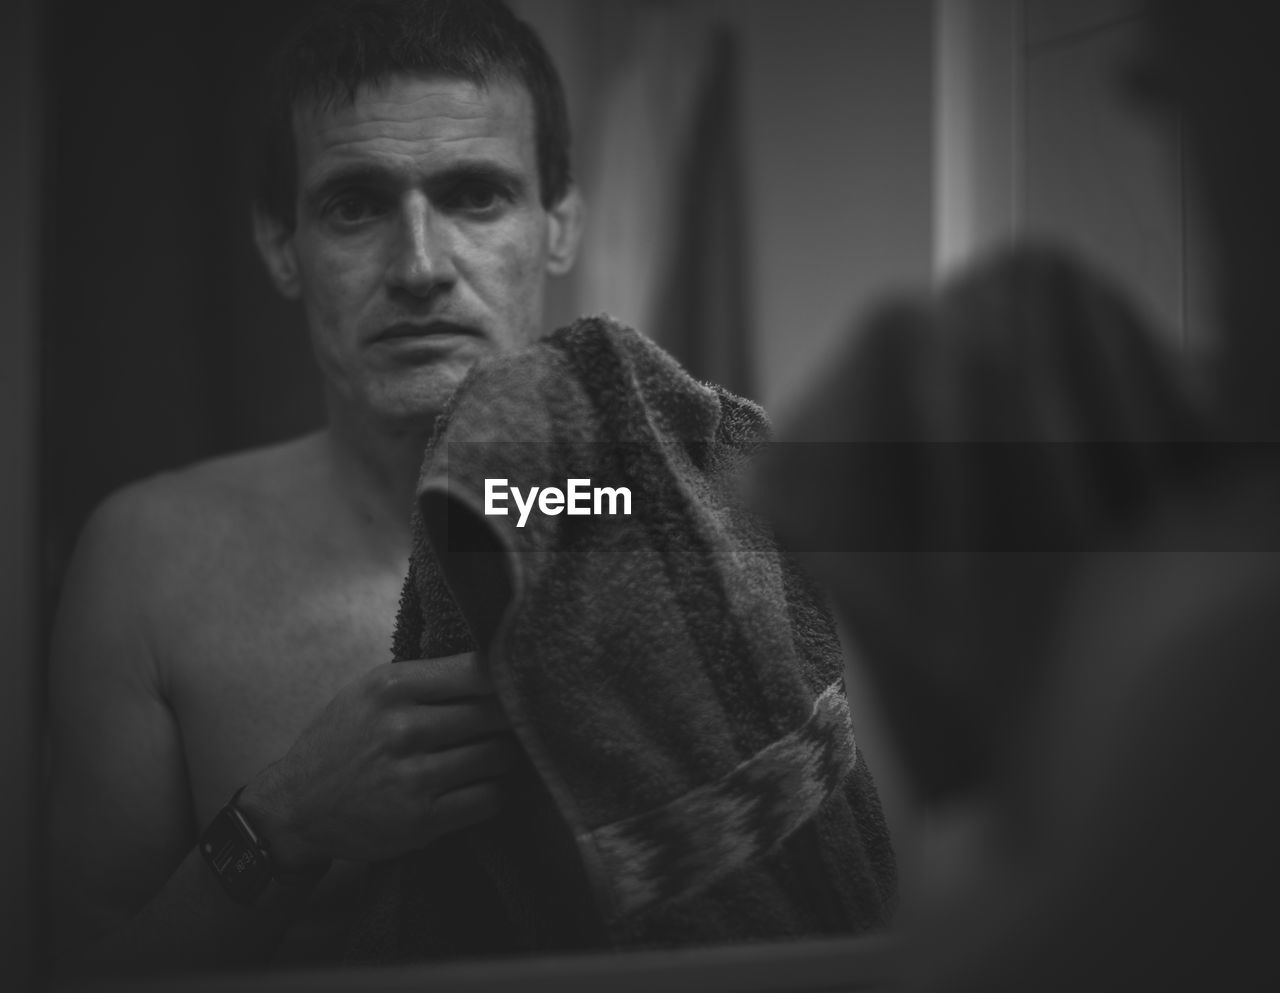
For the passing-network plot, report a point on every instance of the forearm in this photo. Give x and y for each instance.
(190, 925)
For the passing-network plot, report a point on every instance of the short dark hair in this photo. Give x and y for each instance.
(344, 44)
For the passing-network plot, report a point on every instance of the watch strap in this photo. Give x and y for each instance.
(236, 854)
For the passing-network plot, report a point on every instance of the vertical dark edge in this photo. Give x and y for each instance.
(22, 89)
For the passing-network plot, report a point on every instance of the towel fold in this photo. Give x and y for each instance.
(676, 685)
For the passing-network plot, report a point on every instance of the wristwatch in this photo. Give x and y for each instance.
(235, 853)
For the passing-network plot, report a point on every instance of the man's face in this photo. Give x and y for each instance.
(421, 241)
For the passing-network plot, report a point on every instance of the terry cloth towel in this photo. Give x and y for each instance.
(675, 684)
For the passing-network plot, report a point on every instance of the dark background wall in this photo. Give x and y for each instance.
(163, 340)
(21, 116)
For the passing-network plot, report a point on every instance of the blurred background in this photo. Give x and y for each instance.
(758, 172)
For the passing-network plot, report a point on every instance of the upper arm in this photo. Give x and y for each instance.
(119, 810)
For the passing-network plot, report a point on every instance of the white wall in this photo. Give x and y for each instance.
(839, 145)
(837, 107)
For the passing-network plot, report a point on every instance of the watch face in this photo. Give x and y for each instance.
(234, 858)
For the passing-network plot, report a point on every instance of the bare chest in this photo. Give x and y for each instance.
(261, 656)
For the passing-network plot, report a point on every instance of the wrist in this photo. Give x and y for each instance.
(241, 858)
(268, 809)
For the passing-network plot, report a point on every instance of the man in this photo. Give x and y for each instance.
(223, 627)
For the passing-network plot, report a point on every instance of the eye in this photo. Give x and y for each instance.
(477, 198)
(353, 208)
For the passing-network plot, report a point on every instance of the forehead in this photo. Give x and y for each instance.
(419, 119)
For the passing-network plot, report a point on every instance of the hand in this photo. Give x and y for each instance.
(404, 754)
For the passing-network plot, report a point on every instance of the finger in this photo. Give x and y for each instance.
(450, 677)
(438, 726)
(465, 806)
(455, 768)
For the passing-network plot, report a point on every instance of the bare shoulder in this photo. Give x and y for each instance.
(228, 484)
(148, 545)
(174, 519)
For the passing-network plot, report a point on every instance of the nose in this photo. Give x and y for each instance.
(422, 261)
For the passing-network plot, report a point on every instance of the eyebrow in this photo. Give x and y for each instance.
(372, 176)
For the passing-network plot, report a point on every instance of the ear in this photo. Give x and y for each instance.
(564, 231)
(275, 245)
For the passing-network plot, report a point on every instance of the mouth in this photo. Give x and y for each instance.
(409, 331)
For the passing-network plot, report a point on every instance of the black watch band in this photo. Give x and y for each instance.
(241, 859)
(236, 854)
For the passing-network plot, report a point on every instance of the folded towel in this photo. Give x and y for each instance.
(973, 443)
(676, 685)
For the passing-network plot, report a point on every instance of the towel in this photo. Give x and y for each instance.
(963, 455)
(675, 683)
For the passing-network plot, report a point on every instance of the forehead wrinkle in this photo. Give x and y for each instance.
(411, 128)
(410, 132)
(457, 101)
(408, 163)
(375, 145)
(389, 145)
(324, 121)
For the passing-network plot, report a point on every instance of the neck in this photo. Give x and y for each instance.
(375, 466)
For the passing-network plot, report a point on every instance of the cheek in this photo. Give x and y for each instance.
(335, 282)
(517, 265)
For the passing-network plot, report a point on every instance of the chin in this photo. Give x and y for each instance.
(415, 403)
